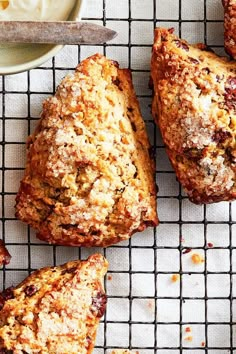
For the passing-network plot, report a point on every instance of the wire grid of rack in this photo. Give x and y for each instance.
(146, 310)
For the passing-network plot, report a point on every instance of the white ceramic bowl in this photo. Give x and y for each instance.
(15, 58)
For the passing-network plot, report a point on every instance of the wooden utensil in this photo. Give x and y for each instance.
(62, 32)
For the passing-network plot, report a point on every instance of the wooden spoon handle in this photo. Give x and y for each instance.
(63, 32)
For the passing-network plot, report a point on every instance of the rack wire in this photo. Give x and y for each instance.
(146, 311)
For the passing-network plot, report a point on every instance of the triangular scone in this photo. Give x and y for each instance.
(54, 310)
(230, 26)
(89, 177)
(195, 106)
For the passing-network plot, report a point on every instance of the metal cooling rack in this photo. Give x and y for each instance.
(146, 311)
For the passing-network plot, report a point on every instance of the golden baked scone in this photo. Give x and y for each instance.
(5, 256)
(89, 177)
(230, 26)
(55, 310)
(195, 106)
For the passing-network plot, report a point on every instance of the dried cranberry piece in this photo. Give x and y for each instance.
(230, 93)
(180, 44)
(30, 290)
(68, 226)
(8, 294)
(193, 60)
(193, 154)
(232, 82)
(210, 245)
(187, 250)
(69, 270)
(96, 232)
(89, 341)
(221, 136)
(231, 153)
(207, 70)
(99, 304)
(117, 82)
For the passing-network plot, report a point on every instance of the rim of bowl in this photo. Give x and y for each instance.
(15, 69)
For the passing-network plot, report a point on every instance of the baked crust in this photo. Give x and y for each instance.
(5, 256)
(54, 310)
(195, 106)
(230, 26)
(89, 179)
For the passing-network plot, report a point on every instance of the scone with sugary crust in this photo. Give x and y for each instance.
(195, 106)
(89, 177)
(230, 26)
(55, 310)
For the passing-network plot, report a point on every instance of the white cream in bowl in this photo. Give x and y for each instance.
(35, 10)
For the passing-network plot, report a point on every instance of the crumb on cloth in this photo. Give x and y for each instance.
(151, 304)
(189, 338)
(197, 258)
